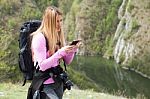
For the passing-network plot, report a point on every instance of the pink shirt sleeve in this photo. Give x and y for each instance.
(39, 50)
(69, 57)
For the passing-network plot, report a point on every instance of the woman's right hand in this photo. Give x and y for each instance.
(68, 49)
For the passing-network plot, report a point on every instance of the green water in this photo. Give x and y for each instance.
(111, 78)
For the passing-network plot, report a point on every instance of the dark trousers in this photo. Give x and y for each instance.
(53, 91)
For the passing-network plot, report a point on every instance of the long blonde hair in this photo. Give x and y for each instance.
(48, 28)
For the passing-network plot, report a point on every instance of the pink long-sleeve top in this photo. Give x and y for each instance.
(45, 61)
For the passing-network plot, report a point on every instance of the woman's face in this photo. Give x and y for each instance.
(58, 22)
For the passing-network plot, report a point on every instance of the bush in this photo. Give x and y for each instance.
(9, 6)
(30, 13)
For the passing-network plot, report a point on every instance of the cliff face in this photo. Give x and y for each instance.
(132, 36)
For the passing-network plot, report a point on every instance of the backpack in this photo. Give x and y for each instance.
(26, 64)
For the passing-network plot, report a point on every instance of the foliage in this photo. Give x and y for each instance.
(65, 6)
(130, 7)
(9, 7)
(70, 20)
(109, 46)
(11, 23)
(135, 25)
(110, 23)
(42, 4)
(141, 64)
(30, 13)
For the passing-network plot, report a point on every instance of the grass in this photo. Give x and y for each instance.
(16, 91)
(12, 91)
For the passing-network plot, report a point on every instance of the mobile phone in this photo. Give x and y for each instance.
(75, 42)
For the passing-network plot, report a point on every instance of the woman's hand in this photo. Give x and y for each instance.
(71, 48)
(68, 48)
(77, 45)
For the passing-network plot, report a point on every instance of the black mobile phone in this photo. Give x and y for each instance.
(75, 42)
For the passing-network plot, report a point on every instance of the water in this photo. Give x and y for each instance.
(111, 78)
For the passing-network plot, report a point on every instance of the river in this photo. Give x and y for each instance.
(111, 78)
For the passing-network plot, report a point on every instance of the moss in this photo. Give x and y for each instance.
(130, 7)
(109, 47)
(122, 57)
(141, 63)
(135, 25)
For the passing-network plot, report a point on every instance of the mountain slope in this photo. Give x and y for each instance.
(132, 36)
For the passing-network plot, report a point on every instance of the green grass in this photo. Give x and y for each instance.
(16, 91)
(12, 91)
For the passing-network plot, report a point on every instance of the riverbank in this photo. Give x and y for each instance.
(16, 91)
(136, 71)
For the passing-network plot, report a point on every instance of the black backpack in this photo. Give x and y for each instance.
(26, 64)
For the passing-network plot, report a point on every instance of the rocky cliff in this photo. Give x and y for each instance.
(132, 36)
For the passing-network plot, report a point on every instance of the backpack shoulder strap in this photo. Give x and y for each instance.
(47, 47)
(65, 65)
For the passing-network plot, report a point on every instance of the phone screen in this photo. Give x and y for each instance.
(75, 42)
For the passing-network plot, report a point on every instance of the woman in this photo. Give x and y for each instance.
(48, 49)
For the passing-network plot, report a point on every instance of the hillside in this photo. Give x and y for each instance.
(114, 29)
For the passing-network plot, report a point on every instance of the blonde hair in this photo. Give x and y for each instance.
(48, 28)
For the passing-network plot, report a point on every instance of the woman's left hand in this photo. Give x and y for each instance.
(77, 45)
